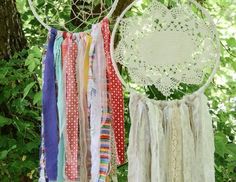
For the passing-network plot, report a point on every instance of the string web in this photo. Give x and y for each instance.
(72, 15)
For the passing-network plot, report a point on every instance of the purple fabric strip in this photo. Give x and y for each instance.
(50, 111)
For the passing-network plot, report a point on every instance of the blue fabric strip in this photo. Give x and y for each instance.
(60, 106)
(50, 111)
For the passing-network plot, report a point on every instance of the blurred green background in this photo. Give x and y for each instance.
(21, 84)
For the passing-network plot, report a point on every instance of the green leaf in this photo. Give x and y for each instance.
(33, 58)
(27, 89)
(29, 60)
(3, 154)
(32, 66)
(37, 98)
(231, 149)
(3, 73)
(231, 42)
(32, 145)
(36, 52)
(220, 143)
(5, 121)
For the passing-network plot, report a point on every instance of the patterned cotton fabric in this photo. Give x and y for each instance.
(84, 139)
(72, 113)
(116, 97)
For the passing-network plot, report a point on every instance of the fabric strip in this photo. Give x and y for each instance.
(94, 107)
(170, 140)
(50, 111)
(72, 114)
(116, 97)
(60, 106)
(42, 172)
(106, 120)
(82, 64)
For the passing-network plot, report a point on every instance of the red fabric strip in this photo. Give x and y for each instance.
(115, 91)
(69, 54)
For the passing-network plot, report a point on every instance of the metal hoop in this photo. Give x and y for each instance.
(113, 8)
(217, 63)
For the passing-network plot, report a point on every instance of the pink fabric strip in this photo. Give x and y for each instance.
(69, 54)
(116, 97)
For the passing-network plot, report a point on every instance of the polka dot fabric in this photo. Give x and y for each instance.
(116, 97)
(72, 113)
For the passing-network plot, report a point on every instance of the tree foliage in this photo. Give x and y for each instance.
(20, 101)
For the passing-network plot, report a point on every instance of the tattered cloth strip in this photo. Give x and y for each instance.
(94, 107)
(42, 160)
(50, 111)
(106, 119)
(60, 106)
(82, 67)
(100, 114)
(170, 140)
(116, 97)
(69, 52)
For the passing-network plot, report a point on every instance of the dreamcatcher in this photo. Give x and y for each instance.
(83, 107)
(167, 47)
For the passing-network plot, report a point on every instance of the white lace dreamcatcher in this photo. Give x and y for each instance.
(165, 47)
(169, 140)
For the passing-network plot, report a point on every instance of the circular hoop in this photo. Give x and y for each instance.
(109, 15)
(217, 62)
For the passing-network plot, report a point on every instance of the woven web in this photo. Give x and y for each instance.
(72, 15)
(168, 47)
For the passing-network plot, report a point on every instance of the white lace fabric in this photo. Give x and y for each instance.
(165, 47)
(170, 140)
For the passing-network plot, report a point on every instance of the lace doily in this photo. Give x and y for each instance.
(165, 47)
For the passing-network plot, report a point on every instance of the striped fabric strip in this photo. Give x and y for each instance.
(116, 97)
(99, 112)
(106, 120)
